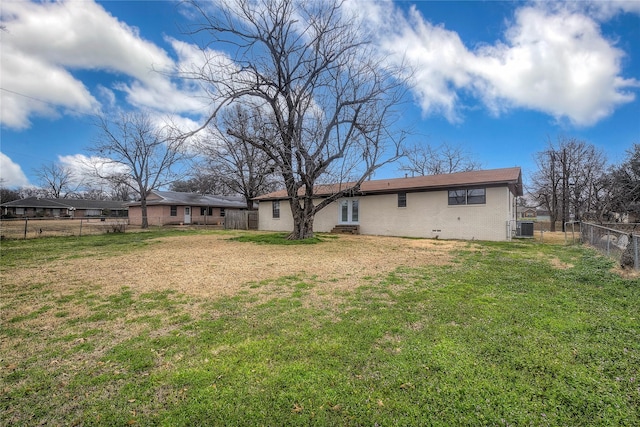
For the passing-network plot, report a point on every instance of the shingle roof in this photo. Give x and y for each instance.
(47, 203)
(509, 176)
(194, 199)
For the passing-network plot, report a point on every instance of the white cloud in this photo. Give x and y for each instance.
(439, 62)
(84, 168)
(44, 41)
(556, 63)
(33, 86)
(601, 10)
(554, 60)
(11, 174)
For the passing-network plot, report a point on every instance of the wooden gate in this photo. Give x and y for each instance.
(241, 220)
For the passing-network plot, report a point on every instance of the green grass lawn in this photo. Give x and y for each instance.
(510, 334)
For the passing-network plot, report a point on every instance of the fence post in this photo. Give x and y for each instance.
(26, 221)
(636, 261)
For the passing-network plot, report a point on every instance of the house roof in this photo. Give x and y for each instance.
(525, 208)
(192, 199)
(507, 176)
(47, 203)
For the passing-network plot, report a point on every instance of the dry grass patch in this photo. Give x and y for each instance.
(557, 263)
(213, 266)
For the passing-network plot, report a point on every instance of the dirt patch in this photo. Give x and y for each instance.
(213, 266)
(555, 238)
(556, 263)
(626, 273)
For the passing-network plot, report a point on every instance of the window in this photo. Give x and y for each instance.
(457, 197)
(203, 211)
(206, 211)
(344, 211)
(19, 211)
(354, 211)
(402, 200)
(275, 208)
(349, 211)
(222, 212)
(174, 211)
(476, 196)
(471, 196)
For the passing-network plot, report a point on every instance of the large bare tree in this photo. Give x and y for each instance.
(58, 181)
(241, 167)
(310, 70)
(134, 152)
(446, 158)
(567, 179)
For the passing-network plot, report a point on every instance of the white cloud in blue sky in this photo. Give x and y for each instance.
(549, 57)
(11, 174)
(46, 43)
(552, 61)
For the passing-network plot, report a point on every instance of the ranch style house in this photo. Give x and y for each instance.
(175, 208)
(40, 207)
(472, 205)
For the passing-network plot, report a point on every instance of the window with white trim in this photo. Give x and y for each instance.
(468, 196)
(275, 209)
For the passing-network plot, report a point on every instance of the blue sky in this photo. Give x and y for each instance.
(498, 79)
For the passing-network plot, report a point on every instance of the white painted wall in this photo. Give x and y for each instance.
(427, 214)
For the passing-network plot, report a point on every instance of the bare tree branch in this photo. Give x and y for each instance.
(57, 180)
(134, 153)
(567, 178)
(423, 160)
(240, 167)
(325, 96)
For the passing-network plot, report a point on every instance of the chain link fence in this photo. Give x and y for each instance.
(31, 228)
(620, 245)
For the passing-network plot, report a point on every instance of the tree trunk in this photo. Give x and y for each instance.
(627, 260)
(303, 217)
(552, 224)
(143, 208)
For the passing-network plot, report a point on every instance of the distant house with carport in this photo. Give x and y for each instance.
(466, 205)
(40, 207)
(175, 208)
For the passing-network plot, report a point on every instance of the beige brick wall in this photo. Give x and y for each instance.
(427, 214)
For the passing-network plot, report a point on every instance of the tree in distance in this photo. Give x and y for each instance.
(133, 152)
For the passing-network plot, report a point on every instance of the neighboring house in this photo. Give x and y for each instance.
(526, 213)
(37, 207)
(173, 207)
(465, 205)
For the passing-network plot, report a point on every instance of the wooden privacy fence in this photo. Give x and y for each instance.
(241, 220)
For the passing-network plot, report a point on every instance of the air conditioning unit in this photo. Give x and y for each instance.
(524, 229)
